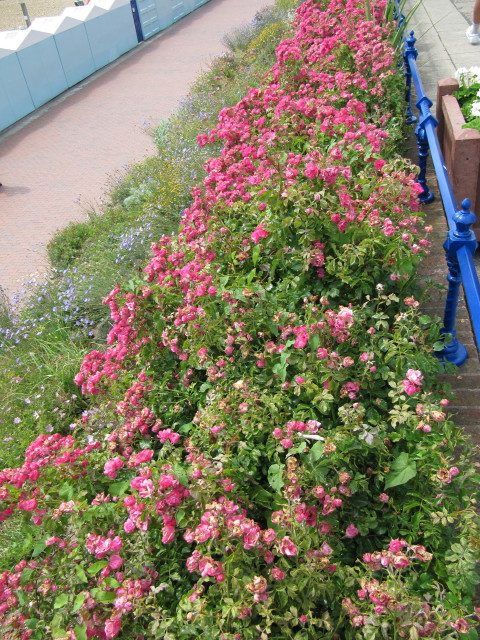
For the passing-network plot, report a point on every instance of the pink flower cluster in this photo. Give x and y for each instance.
(413, 382)
(45, 451)
(227, 518)
(398, 556)
(101, 546)
(287, 435)
(206, 566)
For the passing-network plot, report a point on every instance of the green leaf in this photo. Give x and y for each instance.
(118, 488)
(96, 567)
(103, 596)
(281, 370)
(300, 448)
(111, 582)
(56, 623)
(402, 471)
(187, 427)
(264, 497)
(181, 474)
(31, 623)
(78, 602)
(26, 575)
(400, 461)
(81, 575)
(256, 254)
(275, 476)
(66, 491)
(39, 548)
(316, 452)
(80, 633)
(60, 601)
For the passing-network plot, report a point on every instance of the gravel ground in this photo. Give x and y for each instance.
(11, 14)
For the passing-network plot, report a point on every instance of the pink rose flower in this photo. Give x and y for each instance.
(396, 545)
(311, 171)
(278, 574)
(259, 233)
(115, 562)
(112, 627)
(415, 376)
(112, 467)
(287, 547)
(27, 505)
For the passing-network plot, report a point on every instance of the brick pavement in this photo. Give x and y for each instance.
(466, 381)
(56, 163)
(439, 27)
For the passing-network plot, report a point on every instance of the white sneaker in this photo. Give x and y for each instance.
(473, 38)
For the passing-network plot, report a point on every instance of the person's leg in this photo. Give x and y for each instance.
(473, 31)
(476, 13)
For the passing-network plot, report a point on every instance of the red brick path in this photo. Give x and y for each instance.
(56, 164)
(466, 381)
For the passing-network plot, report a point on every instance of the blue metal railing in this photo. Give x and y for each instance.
(460, 244)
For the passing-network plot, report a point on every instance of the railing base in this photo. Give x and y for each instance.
(427, 198)
(454, 352)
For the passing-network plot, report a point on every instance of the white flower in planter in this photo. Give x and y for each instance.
(475, 109)
(466, 77)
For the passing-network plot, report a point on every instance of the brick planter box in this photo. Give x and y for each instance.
(460, 147)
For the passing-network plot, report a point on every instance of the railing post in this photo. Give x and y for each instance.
(461, 236)
(26, 15)
(423, 105)
(426, 196)
(409, 52)
(398, 15)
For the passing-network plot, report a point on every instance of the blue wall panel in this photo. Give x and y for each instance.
(111, 34)
(164, 13)
(150, 18)
(169, 11)
(75, 54)
(37, 73)
(43, 70)
(178, 9)
(15, 99)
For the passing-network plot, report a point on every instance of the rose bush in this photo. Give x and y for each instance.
(271, 454)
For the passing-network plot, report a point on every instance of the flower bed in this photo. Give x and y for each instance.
(270, 456)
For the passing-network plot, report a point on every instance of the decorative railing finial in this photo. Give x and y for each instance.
(410, 41)
(464, 220)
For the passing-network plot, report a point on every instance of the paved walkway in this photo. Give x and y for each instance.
(56, 163)
(440, 26)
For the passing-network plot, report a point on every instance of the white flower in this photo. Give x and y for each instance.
(475, 72)
(459, 72)
(466, 77)
(475, 109)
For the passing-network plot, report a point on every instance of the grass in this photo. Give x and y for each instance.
(44, 339)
